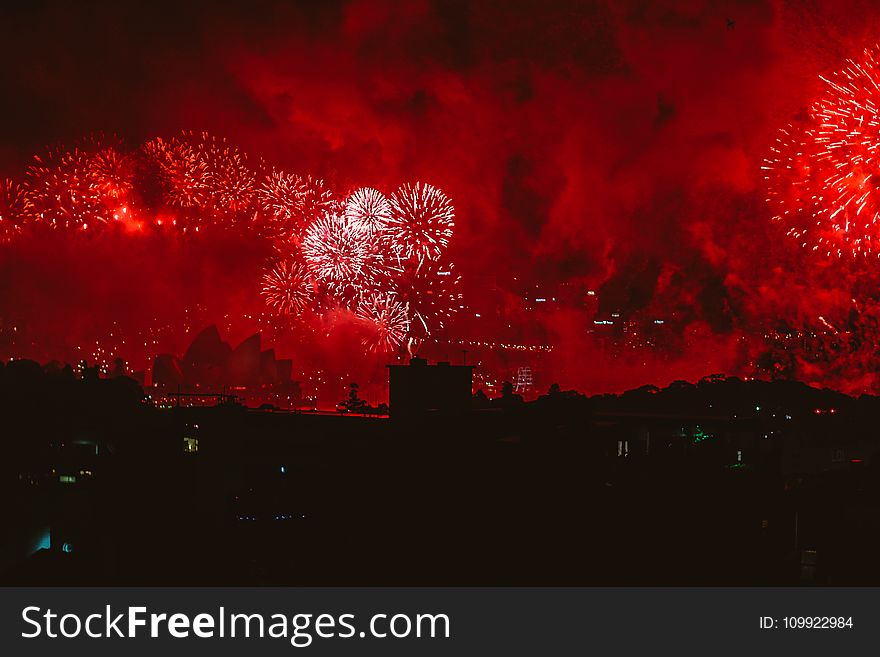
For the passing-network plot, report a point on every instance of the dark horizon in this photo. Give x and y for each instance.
(726, 482)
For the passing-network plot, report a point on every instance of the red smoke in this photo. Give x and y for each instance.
(609, 146)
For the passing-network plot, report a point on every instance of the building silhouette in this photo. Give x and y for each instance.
(420, 388)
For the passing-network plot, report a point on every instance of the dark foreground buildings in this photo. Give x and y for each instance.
(418, 388)
(722, 482)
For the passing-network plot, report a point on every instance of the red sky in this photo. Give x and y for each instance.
(615, 144)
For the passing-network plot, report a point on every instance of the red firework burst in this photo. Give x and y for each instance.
(205, 174)
(181, 171)
(386, 319)
(63, 190)
(230, 181)
(111, 170)
(421, 222)
(286, 288)
(823, 175)
(370, 208)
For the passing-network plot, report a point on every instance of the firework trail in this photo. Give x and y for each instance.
(370, 208)
(386, 318)
(823, 176)
(421, 222)
(287, 288)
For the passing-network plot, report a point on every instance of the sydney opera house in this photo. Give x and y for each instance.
(212, 366)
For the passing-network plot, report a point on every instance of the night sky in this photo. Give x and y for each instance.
(612, 146)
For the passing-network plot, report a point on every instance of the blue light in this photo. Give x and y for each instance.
(43, 542)
(67, 548)
(283, 469)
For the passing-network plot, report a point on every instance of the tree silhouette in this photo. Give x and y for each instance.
(354, 403)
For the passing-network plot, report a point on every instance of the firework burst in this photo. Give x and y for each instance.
(421, 222)
(378, 258)
(286, 288)
(370, 208)
(386, 318)
(823, 175)
(339, 252)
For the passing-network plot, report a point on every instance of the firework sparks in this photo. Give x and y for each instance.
(111, 171)
(203, 175)
(823, 176)
(421, 222)
(432, 295)
(292, 202)
(62, 190)
(230, 182)
(181, 172)
(316, 198)
(280, 197)
(386, 318)
(15, 207)
(286, 288)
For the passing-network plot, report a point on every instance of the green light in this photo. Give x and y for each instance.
(700, 435)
